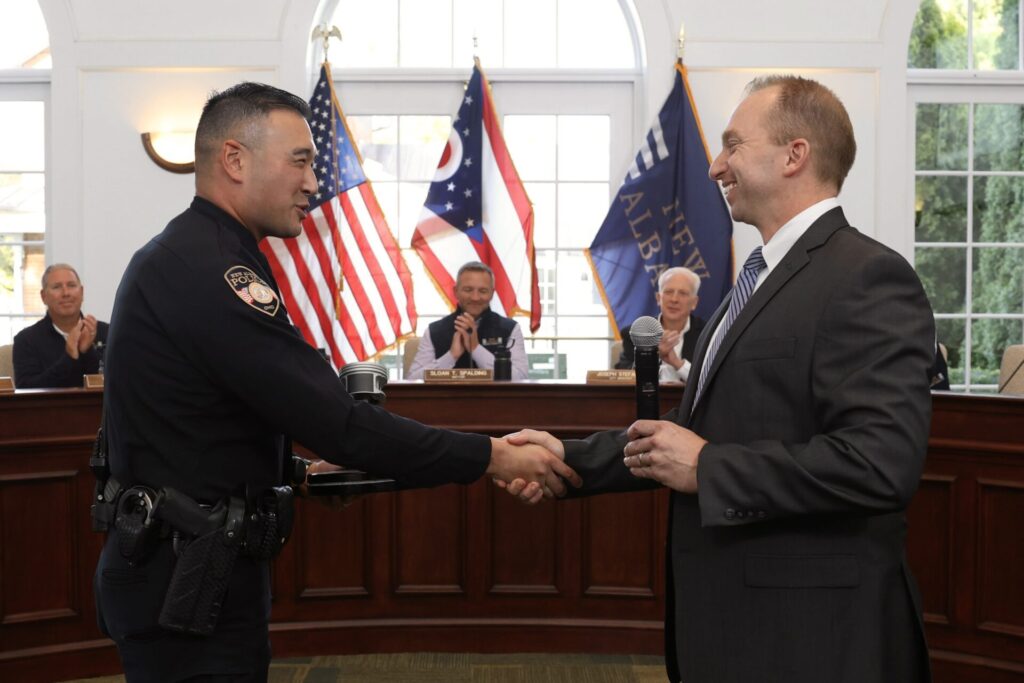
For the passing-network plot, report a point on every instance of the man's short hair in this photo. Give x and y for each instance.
(475, 266)
(806, 109)
(57, 266)
(679, 270)
(237, 113)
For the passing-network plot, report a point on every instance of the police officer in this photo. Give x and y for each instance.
(205, 375)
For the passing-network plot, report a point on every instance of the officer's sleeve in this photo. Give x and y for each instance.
(262, 360)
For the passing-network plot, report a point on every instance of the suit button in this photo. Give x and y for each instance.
(730, 513)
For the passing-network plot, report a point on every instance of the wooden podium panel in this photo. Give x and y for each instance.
(466, 568)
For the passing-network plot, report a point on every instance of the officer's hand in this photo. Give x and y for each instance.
(88, 336)
(333, 502)
(71, 345)
(531, 463)
(532, 492)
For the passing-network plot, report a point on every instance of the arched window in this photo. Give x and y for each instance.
(565, 76)
(965, 76)
(24, 89)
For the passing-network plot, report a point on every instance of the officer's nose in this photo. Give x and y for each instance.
(309, 181)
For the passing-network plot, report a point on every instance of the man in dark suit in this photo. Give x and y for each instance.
(65, 344)
(676, 297)
(802, 434)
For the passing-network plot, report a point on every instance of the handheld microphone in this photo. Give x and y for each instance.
(645, 332)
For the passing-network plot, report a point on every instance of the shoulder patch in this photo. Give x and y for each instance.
(251, 289)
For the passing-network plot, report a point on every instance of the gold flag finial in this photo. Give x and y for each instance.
(325, 33)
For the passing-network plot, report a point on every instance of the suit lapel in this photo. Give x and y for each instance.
(798, 256)
(698, 356)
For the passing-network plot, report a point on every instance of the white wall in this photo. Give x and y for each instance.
(122, 67)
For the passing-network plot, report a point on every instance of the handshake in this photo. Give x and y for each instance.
(530, 465)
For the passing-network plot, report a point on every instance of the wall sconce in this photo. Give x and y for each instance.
(174, 151)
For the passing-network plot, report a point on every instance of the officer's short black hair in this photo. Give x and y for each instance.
(234, 113)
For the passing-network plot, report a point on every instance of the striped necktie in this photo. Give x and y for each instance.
(740, 293)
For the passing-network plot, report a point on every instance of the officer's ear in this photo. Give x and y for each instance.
(232, 159)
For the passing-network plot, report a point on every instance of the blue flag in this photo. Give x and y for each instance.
(667, 213)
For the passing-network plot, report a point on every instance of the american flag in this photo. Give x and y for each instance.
(343, 279)
(477, 210)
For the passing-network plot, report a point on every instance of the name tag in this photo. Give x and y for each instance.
(6, 385)
(459, 375)
(92, 381)
(611, 376)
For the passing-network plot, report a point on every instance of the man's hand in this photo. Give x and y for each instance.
(458, 346)
(665, 452)
(466, 325)
(536, 471)
(88, 333)
(333, 502)
(667, 349)
(530, 492)
(72, 342)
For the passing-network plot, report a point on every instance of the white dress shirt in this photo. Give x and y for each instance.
(482, 358)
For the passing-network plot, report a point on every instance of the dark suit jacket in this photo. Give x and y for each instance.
(689, 344)
(40, 360)
(788, 565)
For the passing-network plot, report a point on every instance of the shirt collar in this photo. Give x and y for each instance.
(211, 210)
(781, 242)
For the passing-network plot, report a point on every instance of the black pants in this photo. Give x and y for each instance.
(128, 602)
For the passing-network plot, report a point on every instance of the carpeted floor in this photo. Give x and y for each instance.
(428, 667)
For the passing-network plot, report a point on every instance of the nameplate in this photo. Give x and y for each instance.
(458, 375)
(6, 385)
(92, 381)
(611, 376)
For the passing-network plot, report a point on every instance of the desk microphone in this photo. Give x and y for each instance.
(645, 332)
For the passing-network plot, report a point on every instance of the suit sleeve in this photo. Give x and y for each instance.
(870, 399)
(33, 370)
(598, 461)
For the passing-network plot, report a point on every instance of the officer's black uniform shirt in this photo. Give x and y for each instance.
(205, 372)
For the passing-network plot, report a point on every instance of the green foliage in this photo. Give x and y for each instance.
(939, 38)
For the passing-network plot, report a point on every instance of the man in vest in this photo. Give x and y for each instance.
(468, 337)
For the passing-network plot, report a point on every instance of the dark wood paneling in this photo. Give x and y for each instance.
(468, 569)
(1001, 557)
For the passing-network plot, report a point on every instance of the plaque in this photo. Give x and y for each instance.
(459, 375)
(611, 376)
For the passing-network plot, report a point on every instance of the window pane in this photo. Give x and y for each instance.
(410, 206)
(22, 203)
(387, 197)
(581, 356)
(429, 304)
(546, 282)
(995, 34)
(21, 267)
(940, 209)
(425, 33)
(24, 41)
(585, 326)
(951, 334)
(531, 142)
(939, 37)
(943, 272)
(989, 338)
(999, 209)
(997, 137)
(369, 32)
(377, 139)
(577, 293)
(21, 136)
(593, 34)
(422, 140)
(583, 147)
(530, 33)
(998, 285)
(581, 209)
(542, 195)
(941, 137)
(482, 18)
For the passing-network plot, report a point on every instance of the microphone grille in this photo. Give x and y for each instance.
(645, 331)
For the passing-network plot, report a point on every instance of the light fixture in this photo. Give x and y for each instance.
(171, 151)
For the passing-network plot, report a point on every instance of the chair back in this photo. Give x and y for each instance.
(408, 354)
(7, 360)
(613, 354)
(1011, 371)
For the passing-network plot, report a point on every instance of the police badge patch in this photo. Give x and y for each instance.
(251, 289)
